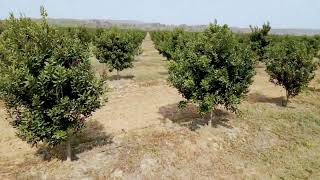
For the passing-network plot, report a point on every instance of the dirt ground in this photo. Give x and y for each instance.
(140, 134)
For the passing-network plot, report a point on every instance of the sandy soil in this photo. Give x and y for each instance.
(141, 134)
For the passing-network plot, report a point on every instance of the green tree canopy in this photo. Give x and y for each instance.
(115, 48)
(259, 39)
(214, 69)
(290, 64)
(46, 80)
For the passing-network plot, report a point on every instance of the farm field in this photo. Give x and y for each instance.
(141, 134)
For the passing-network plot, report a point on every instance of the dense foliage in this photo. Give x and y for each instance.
(46, 80)
(259, 40)
(169, 42)
(84, 34)
(117, 48)
(213, 69)
(290, 64)
(312, 42)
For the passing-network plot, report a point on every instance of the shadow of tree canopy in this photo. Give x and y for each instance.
(313, 89)
(191, 118)
(91, 136)
(116, 77)
(261, 98)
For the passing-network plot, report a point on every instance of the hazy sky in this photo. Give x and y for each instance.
(241, 13)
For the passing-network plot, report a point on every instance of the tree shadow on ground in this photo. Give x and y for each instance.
(261, 98)
(313, 89)
(91, 136)
(116, 77)
(189, 117)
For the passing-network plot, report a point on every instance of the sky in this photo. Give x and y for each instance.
(236, 13)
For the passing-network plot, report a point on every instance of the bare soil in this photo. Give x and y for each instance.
(141, 134)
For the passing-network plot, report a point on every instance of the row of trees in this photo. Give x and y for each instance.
(117, 48)
(168, 42)
(215, 67)
(46, 78)
(47, 83)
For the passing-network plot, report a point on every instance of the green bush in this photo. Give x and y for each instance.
(290, 64)
(259, 40)
(136, 37)
(169, 42)
(85, 35)
(213, 69)
(313, 44)
(46, 80)
(116, 48)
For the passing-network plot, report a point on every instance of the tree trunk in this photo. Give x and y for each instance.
(286, 101)
(118, 75)
(69, 154)
(211, 117)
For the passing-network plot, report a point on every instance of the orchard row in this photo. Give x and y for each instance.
(215, 67)
(49, 87)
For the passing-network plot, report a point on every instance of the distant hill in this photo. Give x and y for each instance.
(99, 23)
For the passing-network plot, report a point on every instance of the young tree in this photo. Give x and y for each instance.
(46, 80)
(313, 44)
(115, 48)
(290, 65)
(214, 69)
(169, 42)
(136, 37)
(259, 39)
(85, 35)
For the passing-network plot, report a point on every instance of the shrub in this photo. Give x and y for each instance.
(259, 40)
(136, 37)
(290, 65)
(169, 42)
(85, 35)
(115, 48)
(214, 69)
(313, 44)
(46, 80)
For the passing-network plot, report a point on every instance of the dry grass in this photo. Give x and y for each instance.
(141, 134)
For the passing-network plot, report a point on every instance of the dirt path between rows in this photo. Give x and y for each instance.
(135, 103)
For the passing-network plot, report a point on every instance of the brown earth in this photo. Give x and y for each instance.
(140, 134)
